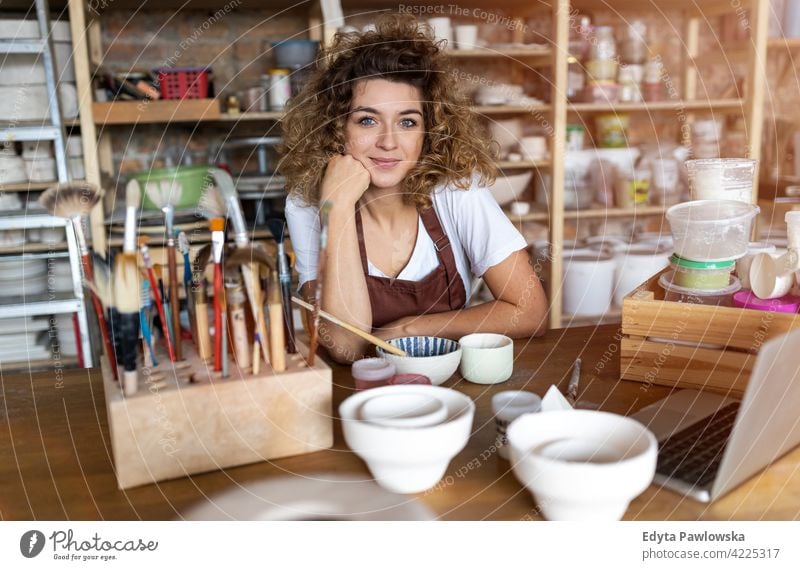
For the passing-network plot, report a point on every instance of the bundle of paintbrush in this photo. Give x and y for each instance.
(74, 201)
(165, 195)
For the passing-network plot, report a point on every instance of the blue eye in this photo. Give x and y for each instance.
(408, 123)
(366, 121)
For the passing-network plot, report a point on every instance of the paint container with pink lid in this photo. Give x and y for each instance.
(372, 373)
(748, 300)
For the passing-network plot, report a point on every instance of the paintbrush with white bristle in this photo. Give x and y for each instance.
(227, 190)
(74, 201)
(165, 195)
(127, 292)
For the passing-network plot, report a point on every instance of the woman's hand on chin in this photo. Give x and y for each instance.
(345, 180)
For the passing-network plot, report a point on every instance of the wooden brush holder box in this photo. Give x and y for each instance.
(174, 427)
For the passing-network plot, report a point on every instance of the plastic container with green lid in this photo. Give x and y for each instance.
(701, 274)
(676, 293)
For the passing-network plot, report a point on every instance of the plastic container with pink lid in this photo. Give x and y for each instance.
(747, 300)
(372, 373)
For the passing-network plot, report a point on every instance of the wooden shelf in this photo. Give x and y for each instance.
(251, 116)
(27, 186)
(539, 213)
(658, 106)
(511, 53)
(783, 43)
(602, 212)
(521, 164)
(155, 112)
(510, 109)
(34, 248)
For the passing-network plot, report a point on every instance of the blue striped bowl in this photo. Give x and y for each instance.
(432, 356)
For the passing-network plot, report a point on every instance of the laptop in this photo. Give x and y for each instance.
(709, 443)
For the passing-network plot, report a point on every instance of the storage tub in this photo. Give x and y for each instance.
(701, 274)
(678, 294)
(711, 230)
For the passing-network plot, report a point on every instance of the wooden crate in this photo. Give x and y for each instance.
(173, 427)
(693, 346)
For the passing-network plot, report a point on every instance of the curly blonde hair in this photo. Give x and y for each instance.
(455, 146)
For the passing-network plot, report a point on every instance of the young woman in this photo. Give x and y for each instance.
(382, 133)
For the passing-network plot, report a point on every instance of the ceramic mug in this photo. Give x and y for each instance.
(486, 358)
(466, 36)
(533, 148)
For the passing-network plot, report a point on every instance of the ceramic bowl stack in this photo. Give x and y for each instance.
(709, 236)
(434, 357)
(23, 339)
(23, 91)
(67, 342)
(60, 277)
(582, 465)
(407, 435)
(26, 278)
(40, 166)
(12, 167)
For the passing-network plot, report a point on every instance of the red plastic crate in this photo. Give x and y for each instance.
(183, 83)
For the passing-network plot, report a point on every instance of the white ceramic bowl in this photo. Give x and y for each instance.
(434, 357)
(582, 464)
(408, 460)
(404, 410)
(508, 188)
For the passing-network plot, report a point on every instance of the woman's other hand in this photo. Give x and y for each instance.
(345, 180)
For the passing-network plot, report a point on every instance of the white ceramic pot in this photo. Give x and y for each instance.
(408, 460)
(12, 167)
(582, 465)
(635, 265)
(588, 283)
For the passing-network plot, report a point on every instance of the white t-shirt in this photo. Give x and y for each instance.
(480, 234)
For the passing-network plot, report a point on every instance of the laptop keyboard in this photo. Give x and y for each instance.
(694, 454)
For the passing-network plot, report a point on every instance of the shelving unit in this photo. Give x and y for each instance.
(556, 111)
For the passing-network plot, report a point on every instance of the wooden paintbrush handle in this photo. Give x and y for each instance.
(276, 340)
(175, 300)
(76, 328)
(356, 331)
(218, 332)
(108, 347)
(240, 343)
(203, 336)
(160, 307)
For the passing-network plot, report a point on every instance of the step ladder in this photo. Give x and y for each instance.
(52, 131)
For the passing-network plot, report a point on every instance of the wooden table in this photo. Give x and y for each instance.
(56, 461)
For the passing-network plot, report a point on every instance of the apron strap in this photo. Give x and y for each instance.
(444, 250)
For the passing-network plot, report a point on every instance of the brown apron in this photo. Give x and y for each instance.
(439, 291)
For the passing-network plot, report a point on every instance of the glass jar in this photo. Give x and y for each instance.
(634, 46)
(603, 44)
(280, 89)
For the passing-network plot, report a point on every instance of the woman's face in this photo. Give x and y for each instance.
(385, 130)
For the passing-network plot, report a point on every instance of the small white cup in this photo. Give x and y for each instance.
(520, 208)
(486, 358)
(533, 148)
(769, 278)
(508, 406)
(442, 30)
(466, 36)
